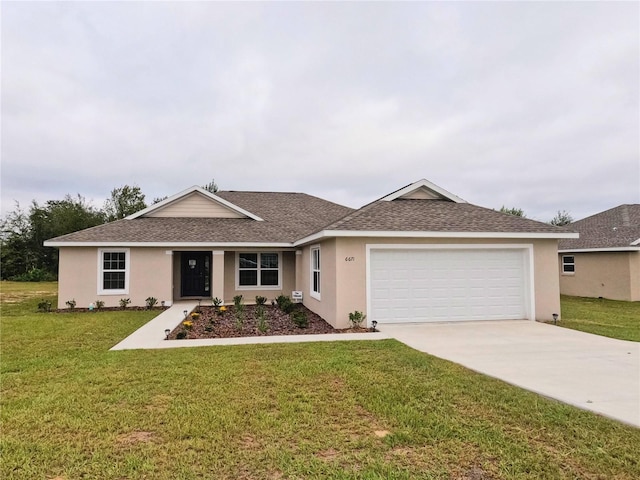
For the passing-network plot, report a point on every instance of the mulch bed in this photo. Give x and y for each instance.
(106, 309)
(213, 323)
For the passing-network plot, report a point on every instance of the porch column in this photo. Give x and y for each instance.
(298, 285)
(217, 274)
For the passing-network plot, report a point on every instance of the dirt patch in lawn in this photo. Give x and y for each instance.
(211, 322)
(135, 437)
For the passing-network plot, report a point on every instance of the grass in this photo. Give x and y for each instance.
(344, 410)
(609, 318)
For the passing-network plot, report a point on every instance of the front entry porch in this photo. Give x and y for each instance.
(198, 274)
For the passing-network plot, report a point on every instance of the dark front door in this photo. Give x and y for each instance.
(196, 274)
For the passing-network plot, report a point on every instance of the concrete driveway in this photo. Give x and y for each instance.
(589, 371)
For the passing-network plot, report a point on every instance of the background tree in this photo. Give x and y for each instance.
(211, 186)
(562, 218)
(518, 212)
(124, 201)
(23, 255)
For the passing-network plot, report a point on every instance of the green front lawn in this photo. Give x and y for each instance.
(609, 318)
(372, 410)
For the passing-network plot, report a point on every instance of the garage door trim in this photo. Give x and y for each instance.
(529, 298)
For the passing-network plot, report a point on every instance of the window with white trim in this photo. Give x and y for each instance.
(568, 264)
(113, 271)
(258, 270)
(315, 272)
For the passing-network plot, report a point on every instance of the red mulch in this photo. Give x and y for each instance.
(216, 324)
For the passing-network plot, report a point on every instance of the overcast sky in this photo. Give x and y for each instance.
(532, 105)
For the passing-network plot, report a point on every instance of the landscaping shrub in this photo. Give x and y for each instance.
(71, 304)
(299, 317)
(356, 318)
(124, 302)
(151, 302)
(261, 300)
(285, 304)
(44, 306)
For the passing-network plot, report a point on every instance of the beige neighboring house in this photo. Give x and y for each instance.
(605, 260)
(419, 254)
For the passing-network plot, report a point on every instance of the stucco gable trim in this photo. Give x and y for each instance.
(188, 191)
(612, 249)
(441, 192)
(422, 234)
(230, 245)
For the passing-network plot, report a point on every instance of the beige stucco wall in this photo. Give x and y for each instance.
(326, 306)
(344, 266)
(149, 276)
(288, 282)
(613, 275)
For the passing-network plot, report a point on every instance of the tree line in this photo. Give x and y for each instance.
(23, 257)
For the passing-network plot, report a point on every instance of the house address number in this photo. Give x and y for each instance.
(349, 259)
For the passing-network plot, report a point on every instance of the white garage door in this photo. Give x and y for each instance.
(431, 285)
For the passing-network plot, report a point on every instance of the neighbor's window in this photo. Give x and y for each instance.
(113, 271)
(568, 264)
(315, 272)
(261, 270)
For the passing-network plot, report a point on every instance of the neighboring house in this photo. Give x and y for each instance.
(605, 260)
(419, 254)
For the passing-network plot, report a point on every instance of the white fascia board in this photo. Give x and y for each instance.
(171, 244)
(184, 193)
(422, 234)
(423, 183)
(612, 249)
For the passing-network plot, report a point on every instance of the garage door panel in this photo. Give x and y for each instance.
(447, 285)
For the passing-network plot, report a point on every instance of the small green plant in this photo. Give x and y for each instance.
(216, 302)
(44, 306)
(285, 304)
(262, 321)
(261, 300)
(124, 302)
(181, 335)
(99, 304)
(239, 313)
(71, 304)
(151, 302)
(356, 318)
(237, 300)
(299, 317)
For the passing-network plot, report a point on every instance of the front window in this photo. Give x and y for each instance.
(113, 271)
(568, 264)
(259, 270)
(315, 272)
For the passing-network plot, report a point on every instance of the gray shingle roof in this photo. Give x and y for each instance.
(614, 228)
(287, 217)
(437, 216)
(291, 216)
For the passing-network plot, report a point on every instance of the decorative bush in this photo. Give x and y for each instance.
(261, 300)
(71, 304)
(124, 302)
(151, 302)
(99, 304)
(44, 306)
(216, 302)
(262, 321)
(299, 317)
(187, 324)
(356, 318)
(237, 300)
(181, 335)
(285, 304)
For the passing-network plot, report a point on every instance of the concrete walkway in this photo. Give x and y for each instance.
(151, 335)
(588, 371)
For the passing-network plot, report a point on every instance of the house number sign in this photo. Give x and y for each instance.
(349, 259)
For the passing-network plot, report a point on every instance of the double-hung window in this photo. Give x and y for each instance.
(315, 272)
(259, 270)
(568, 264)
(113, 271)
